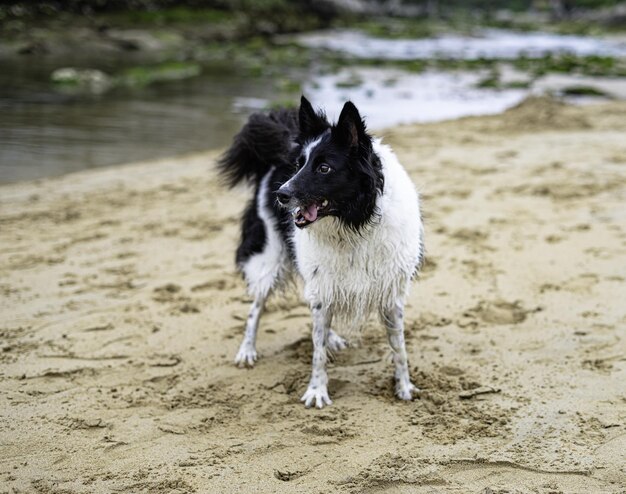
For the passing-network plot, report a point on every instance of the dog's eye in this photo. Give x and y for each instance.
(324, 169)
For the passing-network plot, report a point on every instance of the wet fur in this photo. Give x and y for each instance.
(358, 259)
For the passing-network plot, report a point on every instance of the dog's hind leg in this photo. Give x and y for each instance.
(317, 391)
(263, 259)
(247, 350)
(334, 342)
(393, 318)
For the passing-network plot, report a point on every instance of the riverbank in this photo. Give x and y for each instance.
(121, 314)
(141, 84)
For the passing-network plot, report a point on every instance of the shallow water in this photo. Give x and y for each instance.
(389, 97)
(491, 43)
(44, 132)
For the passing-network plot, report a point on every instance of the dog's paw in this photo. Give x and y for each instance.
(246, 356)
(406, 391)
(316, 395)
(335, 343)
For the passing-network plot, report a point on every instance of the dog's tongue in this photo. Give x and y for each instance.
(310, 213)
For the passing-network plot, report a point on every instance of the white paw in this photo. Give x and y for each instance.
(317, 395)
(246, 356)
(335, 343)
(406, 390)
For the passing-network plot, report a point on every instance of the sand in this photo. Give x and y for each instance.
(121, 312)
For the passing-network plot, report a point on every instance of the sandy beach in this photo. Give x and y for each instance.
(121, 313)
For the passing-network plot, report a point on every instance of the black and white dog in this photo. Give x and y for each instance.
(334, 205)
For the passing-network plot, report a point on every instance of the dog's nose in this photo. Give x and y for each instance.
(284, 195)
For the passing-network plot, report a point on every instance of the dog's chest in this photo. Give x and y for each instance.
(350, 265)
(359, 272)
(356, 274)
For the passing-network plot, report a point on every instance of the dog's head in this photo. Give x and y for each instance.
(337, 172)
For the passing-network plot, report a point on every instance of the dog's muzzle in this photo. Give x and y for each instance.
(284, 194)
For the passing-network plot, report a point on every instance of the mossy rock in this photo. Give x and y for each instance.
(81, 80)
(584, 91)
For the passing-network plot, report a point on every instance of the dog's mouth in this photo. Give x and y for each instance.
(306, 215)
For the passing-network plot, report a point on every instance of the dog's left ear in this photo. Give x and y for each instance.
(350, 129)
(312, 123)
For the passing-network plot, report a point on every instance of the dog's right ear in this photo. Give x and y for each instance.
(311, 122)
(350, 129)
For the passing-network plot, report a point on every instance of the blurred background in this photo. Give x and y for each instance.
(89, 83)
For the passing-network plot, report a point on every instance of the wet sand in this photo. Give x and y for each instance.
(121, 313)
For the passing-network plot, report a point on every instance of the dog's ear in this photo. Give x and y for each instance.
(350, 129)
(311, 122)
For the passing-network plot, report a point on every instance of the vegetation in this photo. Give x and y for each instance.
(169, 71)
(238, 36)
(277, 11)
(584, 91)
(176, 15)
(593, 65)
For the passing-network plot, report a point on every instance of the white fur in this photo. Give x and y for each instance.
(307, 150)
(358, 273)
(247, 350)
(263, 271)
(310, 146)
(317, 390)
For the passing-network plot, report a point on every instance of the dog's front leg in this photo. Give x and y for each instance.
(247, 350)
(393, 319)
(317, 391)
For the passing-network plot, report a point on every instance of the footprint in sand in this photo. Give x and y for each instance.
(496, 312)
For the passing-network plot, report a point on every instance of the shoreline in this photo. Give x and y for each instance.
(157, 84)
(193, 156)
(111, 175)
(122, 312)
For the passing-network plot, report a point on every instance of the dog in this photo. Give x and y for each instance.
(333, 205)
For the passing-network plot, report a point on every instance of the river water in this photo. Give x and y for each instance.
(46, 132)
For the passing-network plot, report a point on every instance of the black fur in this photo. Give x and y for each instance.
(284, 220)
(264, 141)
(252, 234)
(356, 179)
(312, 123)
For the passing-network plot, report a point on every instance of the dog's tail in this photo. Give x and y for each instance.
(265, 141)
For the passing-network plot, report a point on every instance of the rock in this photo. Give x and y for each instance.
(36, 47)
(134, 39)
(92, 80)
